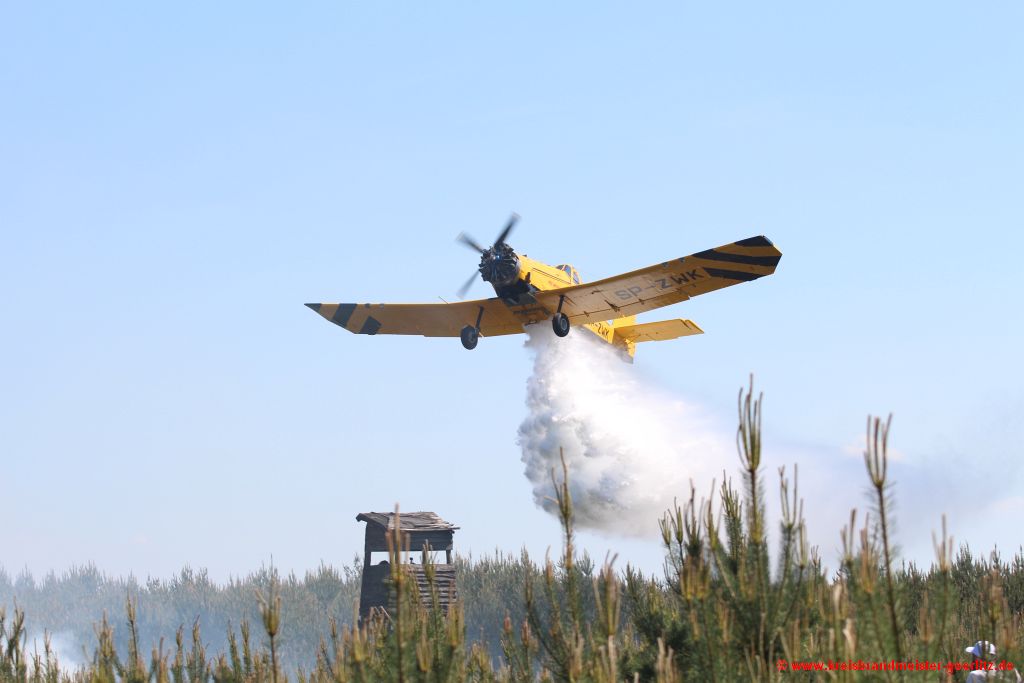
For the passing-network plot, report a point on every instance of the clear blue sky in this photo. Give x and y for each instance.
(176, 181)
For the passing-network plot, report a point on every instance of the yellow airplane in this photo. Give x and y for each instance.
(529, 292)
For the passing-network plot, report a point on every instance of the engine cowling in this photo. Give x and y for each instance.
(499, 266)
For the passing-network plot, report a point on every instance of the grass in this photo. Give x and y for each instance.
(727, 609)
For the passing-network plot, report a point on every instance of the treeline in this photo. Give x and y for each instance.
(727, 609)
(70, 606)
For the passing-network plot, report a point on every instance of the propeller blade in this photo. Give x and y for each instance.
(465, 288)
(507, 230)
(465, 239)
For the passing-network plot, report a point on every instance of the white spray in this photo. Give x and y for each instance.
(630, 447)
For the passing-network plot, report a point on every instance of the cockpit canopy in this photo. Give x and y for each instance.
(570, 271)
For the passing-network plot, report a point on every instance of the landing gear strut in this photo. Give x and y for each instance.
(560, 323)
(470, 336)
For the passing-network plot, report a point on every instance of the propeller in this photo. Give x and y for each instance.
(465, 288)
(507, 230)
(468, 241)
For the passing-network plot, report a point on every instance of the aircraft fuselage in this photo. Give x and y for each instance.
(534, 275)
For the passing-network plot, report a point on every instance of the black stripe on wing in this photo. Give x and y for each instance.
(370, 326)
(738, 275)
(759, 241)
(746, 259)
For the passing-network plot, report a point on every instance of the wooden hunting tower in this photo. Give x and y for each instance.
(420, 532)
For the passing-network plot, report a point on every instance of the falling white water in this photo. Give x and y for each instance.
(630, 447)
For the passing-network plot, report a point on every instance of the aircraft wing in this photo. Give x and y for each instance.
(665, 283)
(429, 320)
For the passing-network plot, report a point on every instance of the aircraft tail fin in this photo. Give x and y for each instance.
(662, 330)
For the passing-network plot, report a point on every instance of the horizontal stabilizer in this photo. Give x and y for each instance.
(659, 331)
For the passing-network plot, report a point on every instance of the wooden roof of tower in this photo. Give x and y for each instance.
(416, 528)
(410, 521)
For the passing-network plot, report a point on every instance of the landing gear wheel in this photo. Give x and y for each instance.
(560, 323)
(470, 336)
